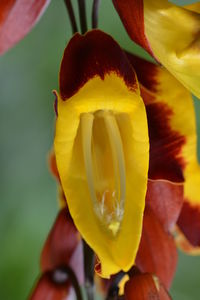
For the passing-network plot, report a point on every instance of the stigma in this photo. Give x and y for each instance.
(104, 162)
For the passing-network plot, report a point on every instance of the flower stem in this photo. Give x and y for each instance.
(75, 284)
(95, 12)
(71, 16)
(114, 289)
(89, 270)
(82, 15)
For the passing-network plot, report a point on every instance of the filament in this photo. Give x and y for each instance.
(86, 132)
(118, 157)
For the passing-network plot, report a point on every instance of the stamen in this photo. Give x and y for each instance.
(118, 159)
(86, 131)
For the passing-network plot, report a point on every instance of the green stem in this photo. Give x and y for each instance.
(95, 13)
(71, 16)
(82, 15)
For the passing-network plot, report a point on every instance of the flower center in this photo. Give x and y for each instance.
(105, 166)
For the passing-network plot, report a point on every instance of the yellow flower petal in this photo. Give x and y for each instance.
(170, 33)
(173, 33)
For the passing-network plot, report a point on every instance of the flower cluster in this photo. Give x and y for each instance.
(124, 153)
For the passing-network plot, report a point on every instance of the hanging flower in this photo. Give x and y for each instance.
(170, 33)
(101, 147)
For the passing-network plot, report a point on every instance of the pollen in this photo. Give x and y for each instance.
(104, 166)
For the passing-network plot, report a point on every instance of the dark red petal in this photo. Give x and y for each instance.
(183, 243)
(146, 71)
(165, 199)
(166, 159)
(189, 222)
(89, 55)
(132, 16)
(157, 252)
(166, 144)
(53, 286)
(163, 293)
(17, 17)
(145, 287)
(63, 246)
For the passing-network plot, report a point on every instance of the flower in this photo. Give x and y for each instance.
(16, 20)
(170, 33)
(102, 148)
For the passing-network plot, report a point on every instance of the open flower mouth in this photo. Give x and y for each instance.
(101, 148)
(107, 184)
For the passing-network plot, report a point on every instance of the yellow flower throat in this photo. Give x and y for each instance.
(104, 161)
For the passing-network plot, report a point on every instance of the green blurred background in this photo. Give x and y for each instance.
(28, 197)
